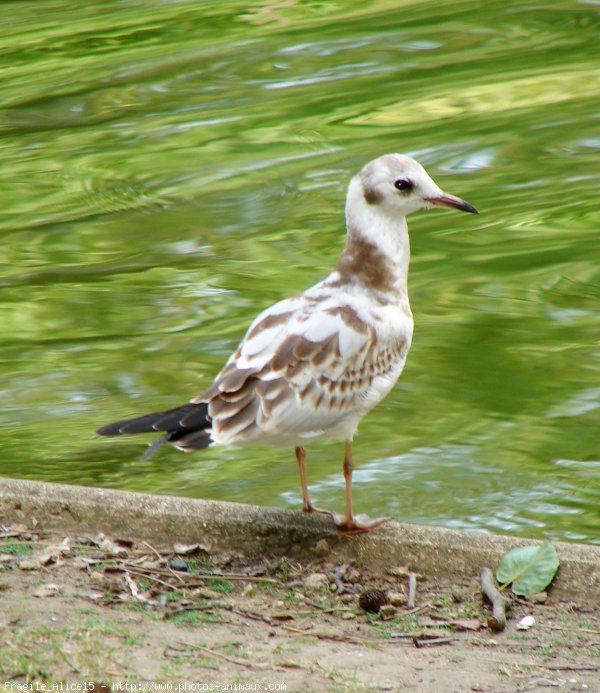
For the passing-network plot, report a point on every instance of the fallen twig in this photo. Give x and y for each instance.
(163, 559)
(329, 636)
(323, 609)
(465, 624)
(570, 630)
(214, 653)
(417, 609)
(249, 614)
(143, 574)
(412, 591)
(407, 636)
(234, 577)
(154, 551)
(497, 621)
(192, 607)
(197, 576)
(172, 651)
(67, 660)
(219, 605)
(570, 667)
(430, 642)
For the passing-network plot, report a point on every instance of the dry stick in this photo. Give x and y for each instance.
(323, 610)
(430, 642)
(233, 577)
(326, 636)
(181, 609)
(242, 578)
(162, 558)
(150, 577)
(182, 652)
(204, 576)
(214, 653)
(570, 630)
(252, 615)
(154, 551)
(567, 667)
(412, 591)
(219, 605)
(497, 621)
(417, 609)
(68, 661)
(420, 635)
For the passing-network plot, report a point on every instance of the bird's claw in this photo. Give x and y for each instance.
(357, 524)
(310, 508)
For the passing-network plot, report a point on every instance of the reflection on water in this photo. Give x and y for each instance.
(170, 169)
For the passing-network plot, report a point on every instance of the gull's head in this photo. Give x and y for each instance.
(398, 185)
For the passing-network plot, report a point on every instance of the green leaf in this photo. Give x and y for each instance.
(529, 568)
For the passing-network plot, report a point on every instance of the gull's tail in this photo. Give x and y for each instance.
(187, 427)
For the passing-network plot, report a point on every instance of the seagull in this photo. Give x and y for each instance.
(311, 366)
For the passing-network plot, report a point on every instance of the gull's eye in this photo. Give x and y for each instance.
(404, 185)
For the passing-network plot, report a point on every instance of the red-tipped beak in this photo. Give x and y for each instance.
(452, 202)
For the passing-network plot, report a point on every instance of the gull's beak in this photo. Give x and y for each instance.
(445, 200)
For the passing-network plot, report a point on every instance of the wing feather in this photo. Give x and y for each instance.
(304, 366)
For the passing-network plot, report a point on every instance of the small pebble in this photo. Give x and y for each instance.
(29, 564)
(387, 611)
(48, 590)
(525, 623)
(185, 549)
(397, 598)
(315, 581)
(458, 596)
(352, 575)
(400, 571)
(179, 564)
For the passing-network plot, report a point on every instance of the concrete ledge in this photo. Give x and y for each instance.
(255, 532)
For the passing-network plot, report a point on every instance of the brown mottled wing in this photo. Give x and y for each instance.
(304, 365)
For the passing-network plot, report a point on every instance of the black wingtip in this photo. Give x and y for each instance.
(112, 429)
(178, 421)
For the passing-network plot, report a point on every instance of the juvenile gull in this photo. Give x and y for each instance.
(310, 367)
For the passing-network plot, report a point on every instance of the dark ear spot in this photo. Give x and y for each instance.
(372, 196)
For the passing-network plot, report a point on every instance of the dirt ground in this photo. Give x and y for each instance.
(142, 618)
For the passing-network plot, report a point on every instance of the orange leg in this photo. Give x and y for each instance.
(307, 506)
(350, 523)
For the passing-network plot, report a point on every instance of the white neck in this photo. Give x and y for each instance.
(377, 248)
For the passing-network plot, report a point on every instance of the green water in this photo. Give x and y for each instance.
(168, 169)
